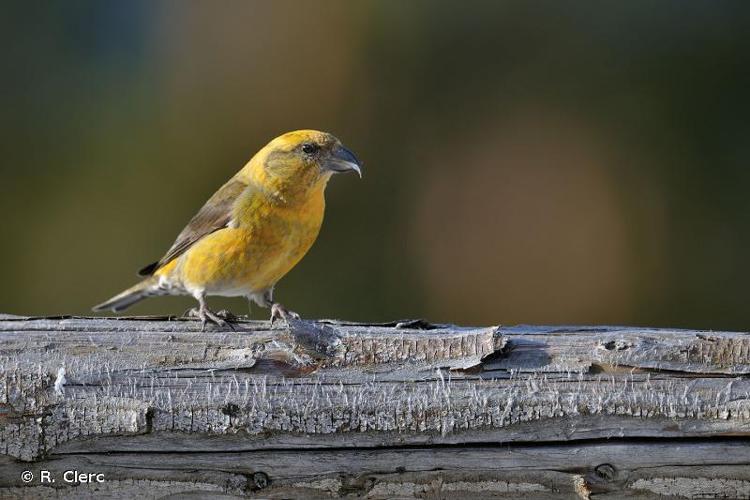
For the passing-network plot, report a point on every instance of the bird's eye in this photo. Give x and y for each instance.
(309, 148)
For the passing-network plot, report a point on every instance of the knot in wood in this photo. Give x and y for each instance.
(605, 472)
(616, 345)
(261, 480)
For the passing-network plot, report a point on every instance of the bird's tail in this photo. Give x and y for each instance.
(146, 288)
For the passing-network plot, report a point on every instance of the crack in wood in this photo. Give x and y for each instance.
(160, 390)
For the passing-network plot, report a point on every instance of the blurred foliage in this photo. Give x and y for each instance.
(540, 162)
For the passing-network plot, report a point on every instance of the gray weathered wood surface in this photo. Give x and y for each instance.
(401, 410)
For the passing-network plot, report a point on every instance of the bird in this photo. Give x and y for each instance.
(252, 231)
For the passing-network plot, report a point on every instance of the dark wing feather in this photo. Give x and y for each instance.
(214, 215)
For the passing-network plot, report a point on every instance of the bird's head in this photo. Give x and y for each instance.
(301, 161)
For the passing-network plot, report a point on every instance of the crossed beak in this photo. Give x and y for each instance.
(343, 160)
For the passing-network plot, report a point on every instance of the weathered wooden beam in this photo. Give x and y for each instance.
(327, 408)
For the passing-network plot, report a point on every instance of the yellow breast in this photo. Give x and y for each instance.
(266, 240)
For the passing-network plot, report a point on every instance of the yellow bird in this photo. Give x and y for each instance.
(252, 231)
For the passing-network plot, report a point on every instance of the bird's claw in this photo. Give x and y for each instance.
(221, 319)
(278, 311)
(227, 316)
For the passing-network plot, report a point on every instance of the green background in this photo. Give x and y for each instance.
(538, 162)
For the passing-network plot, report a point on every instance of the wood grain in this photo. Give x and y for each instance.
(398, 410)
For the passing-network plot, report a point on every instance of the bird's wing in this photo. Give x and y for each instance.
(214, 215)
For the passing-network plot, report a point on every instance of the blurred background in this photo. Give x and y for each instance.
(535, 162)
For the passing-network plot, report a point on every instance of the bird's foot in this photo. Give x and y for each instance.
(221, 319)
(278, 311)
(228, 316)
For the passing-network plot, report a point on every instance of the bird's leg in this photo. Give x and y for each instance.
(278, 311)
(205, 314)
(195, 312)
